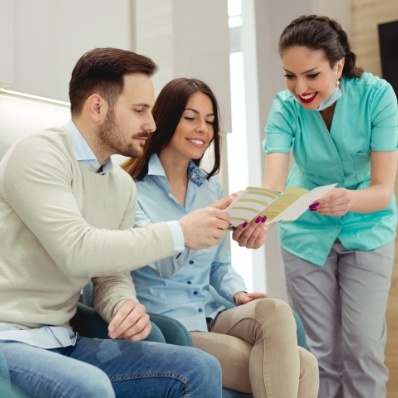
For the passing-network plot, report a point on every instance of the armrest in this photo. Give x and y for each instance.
(88, 323)
(301, 337)
(4, 375)
(173, 331)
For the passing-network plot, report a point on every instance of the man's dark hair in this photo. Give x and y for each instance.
(101, 71)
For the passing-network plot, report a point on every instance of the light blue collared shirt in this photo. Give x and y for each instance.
(83, 152)
(179, 287)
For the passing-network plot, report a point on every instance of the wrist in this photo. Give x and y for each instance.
(236, 294)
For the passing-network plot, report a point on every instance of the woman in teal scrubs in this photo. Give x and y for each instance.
(341, 125)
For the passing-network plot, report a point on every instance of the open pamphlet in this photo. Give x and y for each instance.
(277, 206)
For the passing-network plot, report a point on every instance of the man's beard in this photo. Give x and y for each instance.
(110, 135)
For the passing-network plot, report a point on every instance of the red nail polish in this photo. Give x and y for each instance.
(245, 224)
(258, 219)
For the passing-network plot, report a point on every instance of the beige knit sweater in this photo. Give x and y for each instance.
(60, 225)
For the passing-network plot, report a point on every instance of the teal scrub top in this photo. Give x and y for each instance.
(365, 120)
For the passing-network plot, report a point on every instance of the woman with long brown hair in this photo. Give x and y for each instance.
(255, 341)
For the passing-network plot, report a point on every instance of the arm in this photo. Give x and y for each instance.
(115, 300)
(376, 197)
(169, 265)
(225, 280)
(276, 169)
(383, 161)
(38, 184)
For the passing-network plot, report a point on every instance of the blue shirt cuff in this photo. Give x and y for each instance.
(178, 236)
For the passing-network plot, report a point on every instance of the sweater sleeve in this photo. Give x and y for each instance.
(37, 184)
(110, 292)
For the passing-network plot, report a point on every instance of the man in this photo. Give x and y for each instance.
(66, 216)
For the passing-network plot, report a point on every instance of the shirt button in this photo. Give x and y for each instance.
(191, 262)
(195, 293)
(189, 282)
(200, 310)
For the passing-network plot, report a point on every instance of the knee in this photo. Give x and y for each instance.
(40, 373)
(98, 385)
(92, 384)
(209, 364)
(309, 368)
(308, 362)
(363, 343)
(205, 367)
(274, 311)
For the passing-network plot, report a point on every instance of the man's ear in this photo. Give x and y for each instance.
(97, 108)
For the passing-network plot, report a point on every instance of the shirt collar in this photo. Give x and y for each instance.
(195, 174)
(83, 152)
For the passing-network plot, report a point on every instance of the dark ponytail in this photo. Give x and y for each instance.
(321, 33)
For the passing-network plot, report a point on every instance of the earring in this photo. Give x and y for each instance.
(338, 83)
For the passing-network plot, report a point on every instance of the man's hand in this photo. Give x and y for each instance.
(243, 297)
(251, 236)
(203, 228)
(131, 322)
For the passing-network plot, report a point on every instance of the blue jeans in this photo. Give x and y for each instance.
(108, 368)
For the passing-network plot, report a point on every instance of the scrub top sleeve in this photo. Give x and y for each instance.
(384, 119)
(279, 129)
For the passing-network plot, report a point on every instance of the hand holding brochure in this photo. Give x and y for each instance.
(277, 206)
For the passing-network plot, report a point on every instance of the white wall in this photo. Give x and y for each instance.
(21, 116)
(40, 42)
(50, 36)
(6, 43)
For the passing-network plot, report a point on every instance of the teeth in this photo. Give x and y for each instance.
(308, 96)
(198, 142)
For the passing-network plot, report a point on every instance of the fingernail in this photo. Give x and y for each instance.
(313, 206)
(264, 219)
(258, 219)
(245, 224)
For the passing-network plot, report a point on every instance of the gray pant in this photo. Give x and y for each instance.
(343, 306)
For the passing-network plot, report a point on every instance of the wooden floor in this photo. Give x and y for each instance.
(392, 328)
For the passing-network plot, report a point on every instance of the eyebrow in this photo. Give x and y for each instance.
(197, 112)
(303, 73)
(145, 105)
